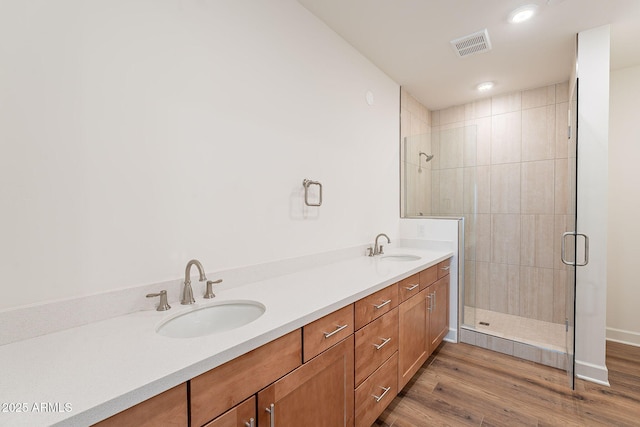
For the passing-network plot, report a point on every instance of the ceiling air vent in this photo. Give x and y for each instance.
(477, 42)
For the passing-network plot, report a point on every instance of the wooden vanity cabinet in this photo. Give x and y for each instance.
(414, 326)
(327, 331)
(375, 305)
(222, 388)
(439, 312)
(317, 394)
(243, 415)
(166, 409)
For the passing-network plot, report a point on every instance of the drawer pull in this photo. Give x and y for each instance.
(379, 398)
(382, 344)
(338, 329)
(272, 415)
(382, 305)
(250, 423)
(412, 287)
(445, 268)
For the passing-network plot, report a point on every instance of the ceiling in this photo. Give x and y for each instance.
(409, 40)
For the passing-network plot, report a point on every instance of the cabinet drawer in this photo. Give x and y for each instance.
(375, 305)
(443, 268)
(409, 287)
(168, 408)
(222, 388)
(375, 343)
(377, 392)
(428, 276)
(327, 331)
(242, 415)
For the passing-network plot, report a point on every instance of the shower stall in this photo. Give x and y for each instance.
(507, 167)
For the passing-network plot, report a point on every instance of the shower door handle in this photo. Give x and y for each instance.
(586, 249)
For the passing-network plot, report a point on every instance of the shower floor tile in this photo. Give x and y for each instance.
(546, 335)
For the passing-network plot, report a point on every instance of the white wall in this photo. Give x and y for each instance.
(138, 135)
(623, 292)
(593, 130)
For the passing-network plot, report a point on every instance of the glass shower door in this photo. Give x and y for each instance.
(569, 237)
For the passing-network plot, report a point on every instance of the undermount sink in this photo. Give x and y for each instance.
(401, 257)
(212, 319)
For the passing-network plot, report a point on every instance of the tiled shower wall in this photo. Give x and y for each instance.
(415, 135)
(503, 163)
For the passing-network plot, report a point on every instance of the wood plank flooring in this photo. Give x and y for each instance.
(464, 385)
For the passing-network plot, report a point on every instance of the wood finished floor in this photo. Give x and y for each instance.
(464, 385)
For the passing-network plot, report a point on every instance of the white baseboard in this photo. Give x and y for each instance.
(452, 336)
(624, 337)
(593, 373)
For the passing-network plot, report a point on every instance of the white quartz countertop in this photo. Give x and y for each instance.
(85, 374)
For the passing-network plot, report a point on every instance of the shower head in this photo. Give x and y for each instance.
(428, 157)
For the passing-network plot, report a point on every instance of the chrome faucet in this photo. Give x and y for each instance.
(187, 292)
(377, 250)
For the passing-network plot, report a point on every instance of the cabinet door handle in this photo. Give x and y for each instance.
(338, 329)
(379, 398)
(272, 415)
(250, 423)
(434, 299)
(382, 305)
(412, 287)
(382, 344)
(430, 296)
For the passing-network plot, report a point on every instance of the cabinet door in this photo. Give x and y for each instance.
(220, 389)
(317, 394)
(439, 304)
(243, 415)
(413, 323)
(166, 409)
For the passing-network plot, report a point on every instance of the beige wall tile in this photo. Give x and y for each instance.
(538, 236)
(500, 345)
(451, 186)
(537, 187)
(498, 288)
(470, 234)
(470, 145)
(505, 188)
(482, 285)
(506, 138)
(451, 148)
(563, 223)
(467, 336)
(539, 97)
(527, 352)
(483, 237)
(564, 186)
(483, 139)
(470, 283)
(435, 193)
(562, 140)
(469, 191)
(506, 103)
(539, 133)
(536, 293)
(483, 189)
(505, 238)
(477, 109)
(562, 92)
(560, 284)
(452, 114)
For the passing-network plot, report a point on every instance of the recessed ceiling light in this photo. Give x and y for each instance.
(523, 13)
(485, 86)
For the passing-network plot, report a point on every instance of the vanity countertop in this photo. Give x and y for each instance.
(85, 374)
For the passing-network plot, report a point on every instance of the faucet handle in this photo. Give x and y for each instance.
(380, 252)
(370, 249)
(163, 305)
(209, 293)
